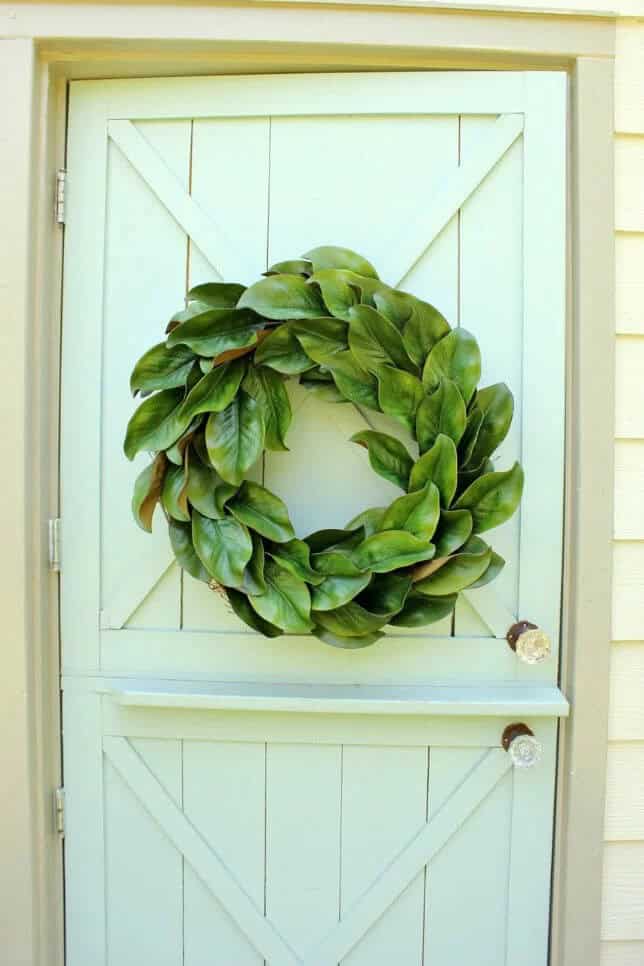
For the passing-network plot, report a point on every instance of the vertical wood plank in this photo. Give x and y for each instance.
(223, 796)
(384, 805)
(303, 840)
(144, 872)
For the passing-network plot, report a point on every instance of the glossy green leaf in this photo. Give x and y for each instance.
(353, 382)
(333, 538)
(322, 338)
(147, 492)
(262, 511)
(336, 562)
(394, 305)
(331, 256)
(347, 643)
(375, 341)
(453, 530)
(399, 395)
(214, 391)
(338, 295)
(286, 603)
(223, 546)
(456, 357)
(241, 606)
(184, 551)
(156, 424)
(235, 438)
(349, 620)
(217, 295)
(202, 489)
(283, 297)
(190, 311)
(254, 582)
(216, 331)
(460, 571)
(177, 452)
(438, 465)
(281, 351)
(161, 368)
(386, 594)
(420, 610)
(424, 329)
(496, 565)
(335, 591)
(417, 512)
(173, 494)
(267, 387)
(493, 498)
(327, 391)
(442, 412)
(294, 266)
(387, 456)
(370, 520)
(295, 556)
(468, 439)
(383, 552)
(496, 405)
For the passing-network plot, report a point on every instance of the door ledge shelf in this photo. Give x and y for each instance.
(431, 700)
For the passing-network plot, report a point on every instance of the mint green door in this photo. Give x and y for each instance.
(234, 800)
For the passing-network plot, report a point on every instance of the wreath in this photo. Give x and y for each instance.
(216, 399)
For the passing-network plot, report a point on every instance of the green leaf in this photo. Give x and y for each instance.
(383, 552)
(335, 591)
(336, 562)
(324, 389)
(399, 395)
(386, 594)
(161, 368)
(214, 391)
(456, 357)
(267, 387)
(240, 605)
(387, 456)
(424, 329)
(254, 582)
(394, 305)
(235, 438)
(337, 293)
(176, 452)
(454, 528)
(347, 643)
(496, 565)
(281, 351)
(184, 551)
(295, 556)
(286, 603)
(350, 620)
(262, 511)
(331, 256)
(493, 498)
(147, 492)
(460, 570)
(322, 338)
(375, 341)
(201, 491)
(354, 383)
(217, 295)
(295, 266)
(283, 297)
(190, 311)
(156, 424)
(332, 539)
(416, 512)
(370, 520)
(496, 405)
(438, 465)
(420, 610)
(443, 412)
(216, 331)
(223, 546)
(173, 495)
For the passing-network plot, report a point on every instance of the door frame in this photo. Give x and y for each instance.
(47, 46)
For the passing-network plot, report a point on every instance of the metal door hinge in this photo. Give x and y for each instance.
(54, 544)
(59, 208)
(59, 811)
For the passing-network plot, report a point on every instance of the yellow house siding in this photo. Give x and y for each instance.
(623, 906)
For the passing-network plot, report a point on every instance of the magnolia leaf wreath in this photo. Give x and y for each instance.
(216, 399)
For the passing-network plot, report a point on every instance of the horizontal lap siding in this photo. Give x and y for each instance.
(623, 907)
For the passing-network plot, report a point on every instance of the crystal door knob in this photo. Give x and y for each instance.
(529, 642)
(521, 745)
